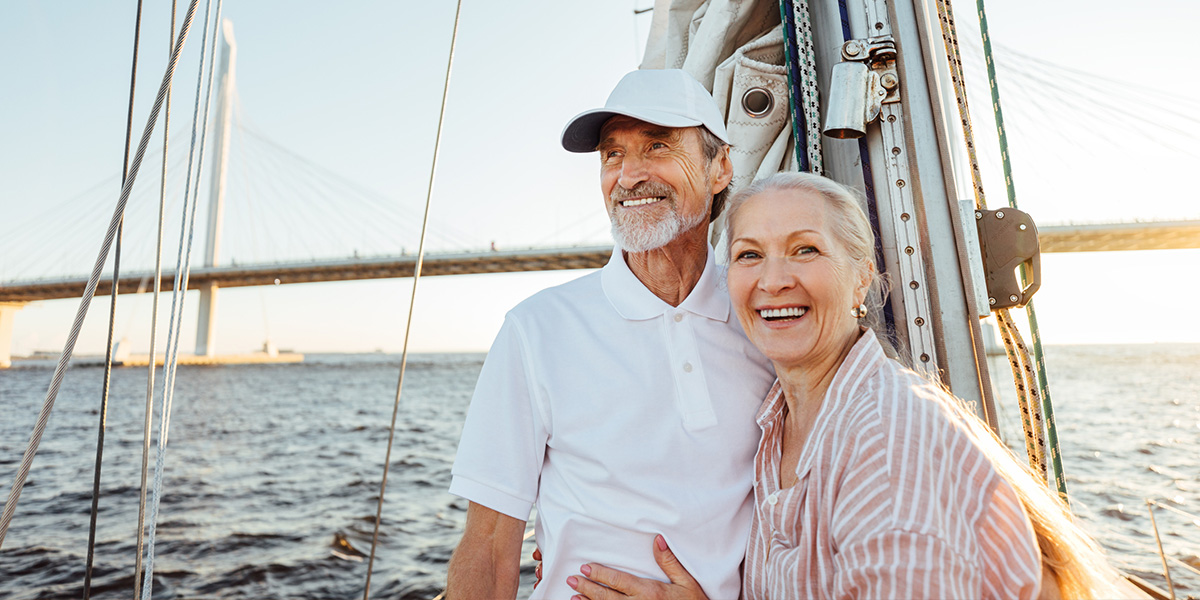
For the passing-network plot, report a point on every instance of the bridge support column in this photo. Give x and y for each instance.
(206, 333)
(206, 324)
(7, 311)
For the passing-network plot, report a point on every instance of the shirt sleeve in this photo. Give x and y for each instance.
(1012, 562)
(503, 442)
(896, 563)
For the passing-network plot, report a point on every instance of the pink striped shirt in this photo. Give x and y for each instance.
(893, 499)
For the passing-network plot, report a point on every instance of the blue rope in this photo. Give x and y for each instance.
(791, 51)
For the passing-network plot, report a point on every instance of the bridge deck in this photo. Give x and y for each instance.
(1059, 238)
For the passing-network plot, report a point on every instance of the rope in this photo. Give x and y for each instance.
(182, 271)
(437, 145)
(1031, 416)
(112, 322)
(946, 18)
(35, 438)
(162, 199)
(1039, 357)
(803, 99)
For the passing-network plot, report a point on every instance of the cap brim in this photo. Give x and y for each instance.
(582, 133)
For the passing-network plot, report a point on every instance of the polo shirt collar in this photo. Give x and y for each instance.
(633, 301)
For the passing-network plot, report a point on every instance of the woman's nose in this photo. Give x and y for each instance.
(775, 276)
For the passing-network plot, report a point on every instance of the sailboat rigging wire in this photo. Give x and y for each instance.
(1043, 384)
(437, 146)
(10, 506)
(146, 430)
(1161, 554)
(182, 271)
(112, 321)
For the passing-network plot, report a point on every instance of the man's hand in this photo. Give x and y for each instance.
(487, 562)
(602, 583)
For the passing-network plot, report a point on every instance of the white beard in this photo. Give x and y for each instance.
(638, 235)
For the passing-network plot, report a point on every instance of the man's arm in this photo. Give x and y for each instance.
(487, 562)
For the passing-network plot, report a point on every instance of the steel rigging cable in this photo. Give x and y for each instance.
(162, 200)
(112, 321)
(437, 145)
(14, 495)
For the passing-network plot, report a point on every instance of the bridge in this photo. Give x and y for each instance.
(1092, 237)
(347, 232)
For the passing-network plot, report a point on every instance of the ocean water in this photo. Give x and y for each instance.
(269, 466)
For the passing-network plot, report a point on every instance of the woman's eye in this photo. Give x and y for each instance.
(807, 250)
(748, 255)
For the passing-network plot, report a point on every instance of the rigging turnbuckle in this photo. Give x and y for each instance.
(861, 84)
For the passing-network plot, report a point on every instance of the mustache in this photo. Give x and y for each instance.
(641, 190)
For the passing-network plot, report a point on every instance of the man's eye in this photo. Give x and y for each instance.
(611, 154)
(657, 145)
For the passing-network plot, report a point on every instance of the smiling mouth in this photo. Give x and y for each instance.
(641, 201)
(783, 314)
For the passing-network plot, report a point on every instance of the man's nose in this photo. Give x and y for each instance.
(775, 276)
(633, 172)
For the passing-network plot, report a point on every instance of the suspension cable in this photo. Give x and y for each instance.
(162, 202)
(1034, 333)
(437, 144)
(112, 320)
(182, 271)
(35, 439)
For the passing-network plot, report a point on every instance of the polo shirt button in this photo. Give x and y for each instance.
(678, 317)
(773, 499)
(687, 367)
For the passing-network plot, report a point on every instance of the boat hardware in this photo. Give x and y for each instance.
(861, 84)
(1008, 239)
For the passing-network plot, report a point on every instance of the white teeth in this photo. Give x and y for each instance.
(640, 202)
(782, 313)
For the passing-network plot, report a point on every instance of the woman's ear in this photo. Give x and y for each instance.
(864, 283)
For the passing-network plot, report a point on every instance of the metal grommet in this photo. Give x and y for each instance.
(757, 102)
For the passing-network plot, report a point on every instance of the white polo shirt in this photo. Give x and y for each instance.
(621, 417)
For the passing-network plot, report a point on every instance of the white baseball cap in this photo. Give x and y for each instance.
(667, 97)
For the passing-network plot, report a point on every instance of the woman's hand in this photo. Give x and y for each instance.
(602, 583)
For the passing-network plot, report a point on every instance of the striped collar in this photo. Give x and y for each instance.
(865, 357)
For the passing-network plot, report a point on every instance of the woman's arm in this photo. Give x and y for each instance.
(599, 582)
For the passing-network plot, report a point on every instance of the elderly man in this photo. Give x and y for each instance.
(622, 403)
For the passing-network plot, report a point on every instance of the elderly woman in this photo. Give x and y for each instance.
(871, 482)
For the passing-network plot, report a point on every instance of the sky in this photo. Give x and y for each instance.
(1100, 115)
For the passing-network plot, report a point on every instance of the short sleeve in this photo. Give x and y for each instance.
(504, 437)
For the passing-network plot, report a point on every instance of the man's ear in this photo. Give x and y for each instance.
(722, 170)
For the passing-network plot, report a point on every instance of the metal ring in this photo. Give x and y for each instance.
(758, 102)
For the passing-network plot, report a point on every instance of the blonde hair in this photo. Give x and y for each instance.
(1069, 554)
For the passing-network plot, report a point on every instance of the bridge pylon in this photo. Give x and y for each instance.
(7, 311)
(206, 338)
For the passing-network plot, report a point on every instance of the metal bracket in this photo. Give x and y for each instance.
(1009, 240)
(879, 54)
(861, 84)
